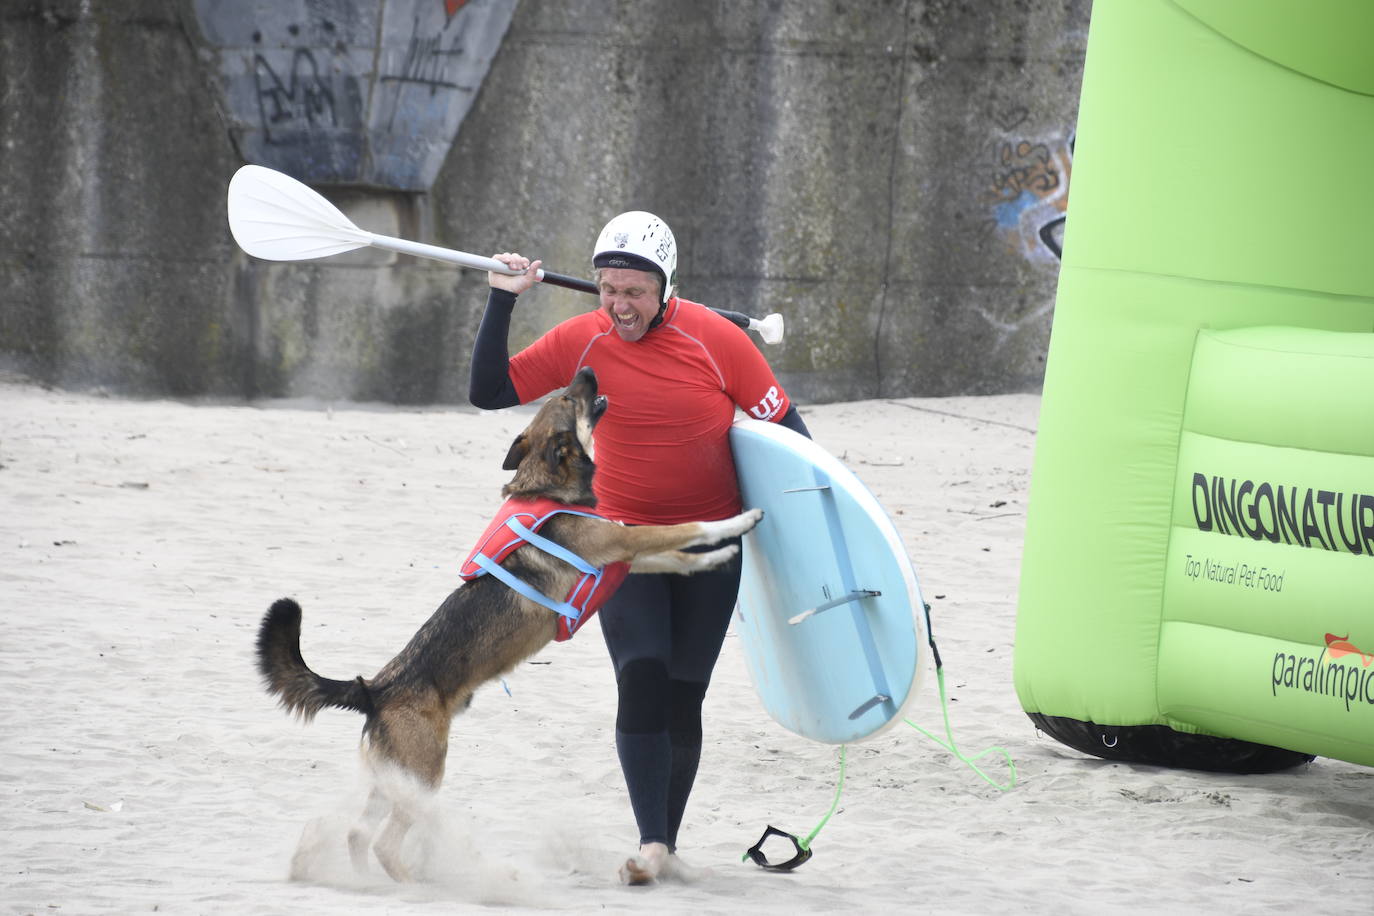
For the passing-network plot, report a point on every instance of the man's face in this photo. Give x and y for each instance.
(630, 298)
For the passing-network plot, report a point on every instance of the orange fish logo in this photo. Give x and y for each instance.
(1337, 646)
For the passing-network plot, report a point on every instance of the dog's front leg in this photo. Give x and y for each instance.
(728, 527)
(682, 562)
(620, 543)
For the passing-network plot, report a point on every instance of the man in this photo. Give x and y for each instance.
(674, 372)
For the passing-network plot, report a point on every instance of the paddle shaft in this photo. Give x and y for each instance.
(575, 283)
(477, 262)
(587, 286)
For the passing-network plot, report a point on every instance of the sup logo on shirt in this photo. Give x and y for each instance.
(768, 405)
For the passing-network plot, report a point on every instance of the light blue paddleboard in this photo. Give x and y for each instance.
(830, 615)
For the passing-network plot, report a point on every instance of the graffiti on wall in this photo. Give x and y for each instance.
(299, 96)
(428, 65)
(368, 92)
(423, 64)
(1029, 194)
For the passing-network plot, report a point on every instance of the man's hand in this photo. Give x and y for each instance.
(520, 282)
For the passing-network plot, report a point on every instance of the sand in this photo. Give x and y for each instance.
(145, 770)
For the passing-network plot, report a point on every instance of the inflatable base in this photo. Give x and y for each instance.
(1159, 745)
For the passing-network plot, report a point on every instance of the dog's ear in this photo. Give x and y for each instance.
(554, 450)
(518, 450)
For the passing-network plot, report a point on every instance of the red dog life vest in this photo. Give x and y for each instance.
(518, 523)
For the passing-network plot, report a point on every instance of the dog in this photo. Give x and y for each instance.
(485, 627)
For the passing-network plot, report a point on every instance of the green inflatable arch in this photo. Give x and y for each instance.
(1197, 585)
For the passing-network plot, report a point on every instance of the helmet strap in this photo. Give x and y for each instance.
(658, 319)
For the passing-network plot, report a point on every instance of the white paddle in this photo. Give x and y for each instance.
(274, 217)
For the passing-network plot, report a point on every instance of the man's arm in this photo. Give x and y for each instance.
(793, 421)
(489, 383)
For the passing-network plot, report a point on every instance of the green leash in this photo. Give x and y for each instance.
(802, 846)
(954, 749)
(949, 730)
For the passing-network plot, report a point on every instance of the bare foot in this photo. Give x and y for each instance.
(645, 867)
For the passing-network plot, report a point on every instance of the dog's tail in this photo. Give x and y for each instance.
(286, 676)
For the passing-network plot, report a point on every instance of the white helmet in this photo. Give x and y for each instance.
(639, 241)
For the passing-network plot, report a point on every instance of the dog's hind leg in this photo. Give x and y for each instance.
(360, 837)
(407, 745)
(388, 846)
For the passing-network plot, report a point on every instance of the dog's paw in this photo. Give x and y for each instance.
(731, 527)
(748, 520)
(713, 558)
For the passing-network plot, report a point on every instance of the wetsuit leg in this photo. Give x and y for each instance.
(702, 607)
(635, 623)
(664, 634)
(684, 734)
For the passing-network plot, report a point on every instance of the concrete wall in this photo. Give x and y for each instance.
(891, 176)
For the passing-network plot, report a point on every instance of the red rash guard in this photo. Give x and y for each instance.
(662, 448)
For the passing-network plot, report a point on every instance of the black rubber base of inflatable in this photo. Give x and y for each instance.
(1161, 746)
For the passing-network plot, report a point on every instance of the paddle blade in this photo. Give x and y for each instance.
(275, 217)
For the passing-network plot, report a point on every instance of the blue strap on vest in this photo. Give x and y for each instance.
(549, 547)
(564, 608)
